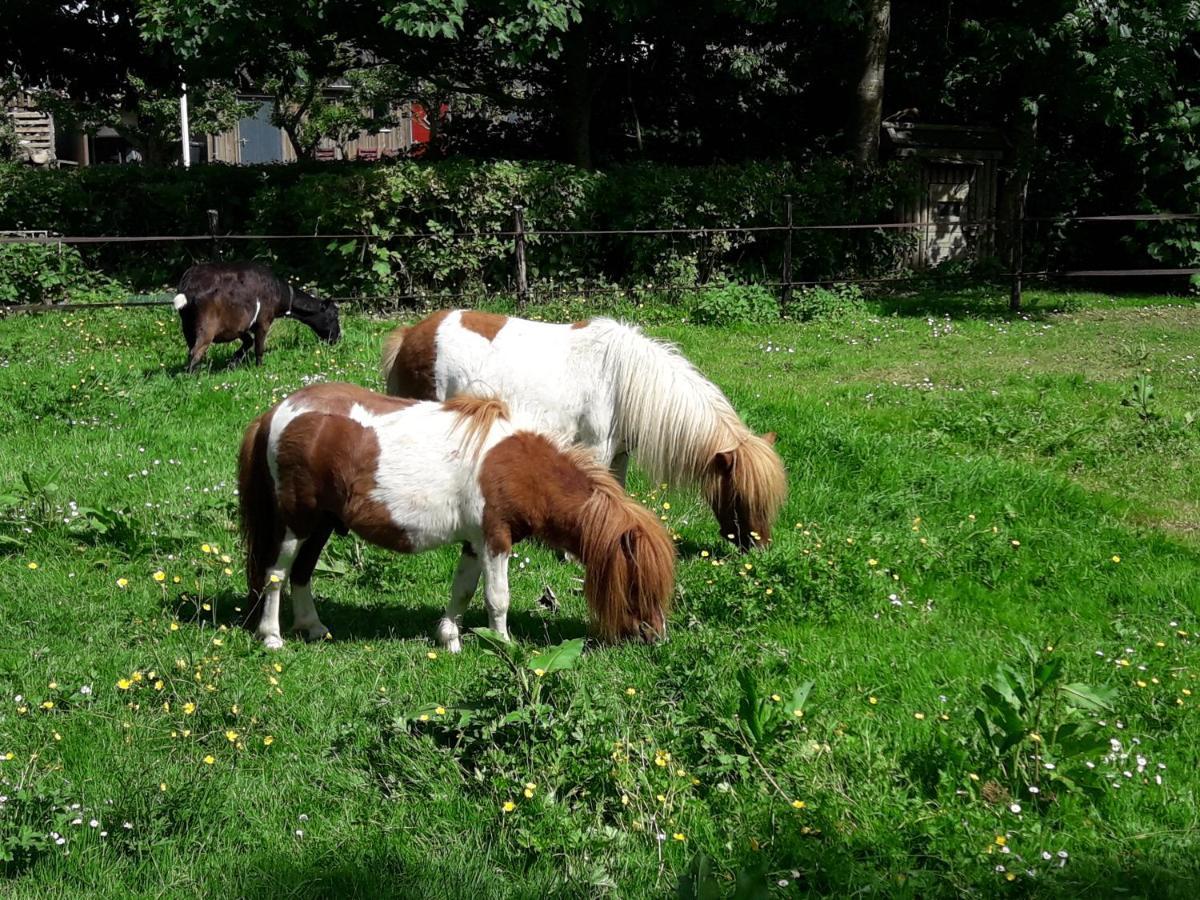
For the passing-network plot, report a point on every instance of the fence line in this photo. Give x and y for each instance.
(545, 292)
(41, 237)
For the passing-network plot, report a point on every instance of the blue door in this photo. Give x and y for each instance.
(261, 141)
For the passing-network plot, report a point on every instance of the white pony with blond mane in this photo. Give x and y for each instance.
(607, 386)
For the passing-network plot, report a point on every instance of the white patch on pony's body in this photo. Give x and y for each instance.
(426, 480)
(604, 385)
(180, 301)
(550, 375)
(257, 309)
(283, 416)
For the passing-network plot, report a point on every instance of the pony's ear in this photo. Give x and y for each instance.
(723, 462)
(770, 437)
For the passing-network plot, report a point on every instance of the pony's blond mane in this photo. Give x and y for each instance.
(675, 421)
(476, 417)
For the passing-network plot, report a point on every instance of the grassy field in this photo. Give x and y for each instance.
(976, 522)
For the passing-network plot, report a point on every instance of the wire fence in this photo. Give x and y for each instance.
(524, 291)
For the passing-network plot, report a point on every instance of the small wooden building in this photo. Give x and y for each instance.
(956, 206)
(255, 140)
(34, 128)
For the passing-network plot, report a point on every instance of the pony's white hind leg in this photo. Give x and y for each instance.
(495, 567)
(462, 589)
(304, 611)
(268, 626)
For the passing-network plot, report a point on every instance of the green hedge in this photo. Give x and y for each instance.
(392, 200)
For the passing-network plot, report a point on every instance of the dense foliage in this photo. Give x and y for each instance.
(412, 212)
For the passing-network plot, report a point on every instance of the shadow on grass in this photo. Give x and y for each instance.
(384, 621)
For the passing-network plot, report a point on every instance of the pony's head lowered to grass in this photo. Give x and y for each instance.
(746, 486)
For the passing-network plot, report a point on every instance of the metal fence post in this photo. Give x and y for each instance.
(786, 297)
(519, 252)
(1018, 228)
(212, 231)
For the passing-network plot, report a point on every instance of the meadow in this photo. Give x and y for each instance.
(967, 664)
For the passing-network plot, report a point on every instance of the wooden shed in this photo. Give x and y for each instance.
(34, 128)
(254, 139)
(956, 206)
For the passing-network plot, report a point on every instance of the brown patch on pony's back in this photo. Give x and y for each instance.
(327, 464)
(409, 358)
(476, 415)
(584, 323)
(337, 398)
(484, 324)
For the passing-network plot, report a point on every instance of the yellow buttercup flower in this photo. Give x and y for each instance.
(799, 804)
(124, 684)
(508, 806)
(159, 576)
(679, 836)
(209, 760)
(32, 565)
(231, 735)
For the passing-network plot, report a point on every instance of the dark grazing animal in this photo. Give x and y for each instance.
(224, 302)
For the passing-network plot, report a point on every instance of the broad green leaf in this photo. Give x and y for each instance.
(564, 656)
(1085, 696)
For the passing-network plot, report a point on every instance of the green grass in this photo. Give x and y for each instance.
(959, 482)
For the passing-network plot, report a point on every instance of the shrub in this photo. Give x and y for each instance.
(47, 273)
(729, 304)
(836, 303)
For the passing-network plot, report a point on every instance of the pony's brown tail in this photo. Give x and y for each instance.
(388, 370)
(262, 531)
(630, 565)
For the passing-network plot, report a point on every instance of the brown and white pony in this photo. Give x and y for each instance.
(411, 476)
(224, 302)
(606, 386)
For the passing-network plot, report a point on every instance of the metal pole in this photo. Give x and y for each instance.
(1014, 298)
(184, 129)
(519, 249)
(786, 297)
(212, 230)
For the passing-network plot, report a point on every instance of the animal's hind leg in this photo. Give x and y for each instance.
(198, 350)
(304, 611)
(462, 589)
(260, 342)
(277, 573)
(247, 342)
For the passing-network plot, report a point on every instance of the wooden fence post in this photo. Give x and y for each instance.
(519, 251)
(786, 297)
(212, 231)
(1018, 228)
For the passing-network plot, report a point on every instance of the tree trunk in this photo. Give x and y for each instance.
(868, 107)
(575, 106)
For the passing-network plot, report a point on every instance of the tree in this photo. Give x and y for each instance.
(868, 107)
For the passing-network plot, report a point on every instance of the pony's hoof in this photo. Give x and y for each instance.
(273, 642)
(317, 632)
